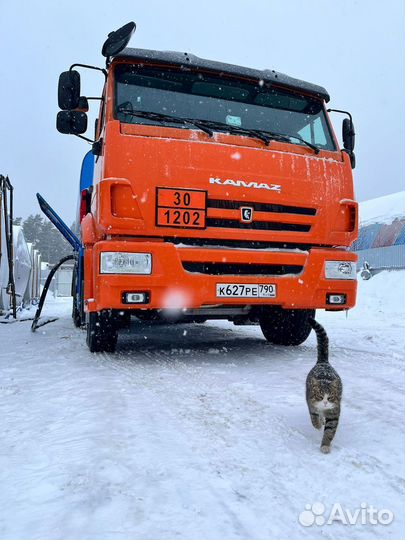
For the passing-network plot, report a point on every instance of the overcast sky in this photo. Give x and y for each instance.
(353, 48)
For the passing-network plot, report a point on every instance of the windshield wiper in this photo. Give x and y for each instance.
(209, 125)
(159, 117)
(221, 126)
(314, 148)
(263, 135)
(203, 125)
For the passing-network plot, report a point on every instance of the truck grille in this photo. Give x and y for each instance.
(261, 207)
(239, 244)
(237, 269)
(259, 225)
(228, 219)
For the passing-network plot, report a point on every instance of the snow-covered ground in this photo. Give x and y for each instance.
(199, 431)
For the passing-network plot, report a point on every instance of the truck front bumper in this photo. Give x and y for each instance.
(170, 285)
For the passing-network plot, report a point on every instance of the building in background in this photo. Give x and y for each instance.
(381, 242)
(61, 284)
(22, 270)
(33, 290)
(22, 263)
(19, 261)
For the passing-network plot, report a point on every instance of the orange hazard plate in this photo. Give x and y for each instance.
(184, 208)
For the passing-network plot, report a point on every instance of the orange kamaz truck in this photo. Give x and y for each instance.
(212, 191)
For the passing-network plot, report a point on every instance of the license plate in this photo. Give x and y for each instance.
(246, 290)
(183, 208)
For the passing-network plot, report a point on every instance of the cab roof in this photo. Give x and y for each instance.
(185, 60)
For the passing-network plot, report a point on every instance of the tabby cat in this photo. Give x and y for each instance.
(323, 390)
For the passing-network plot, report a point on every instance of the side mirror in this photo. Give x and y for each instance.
(71, 122)
(69, 90)
(349, 139)
(348, 134)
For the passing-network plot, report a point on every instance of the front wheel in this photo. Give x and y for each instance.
(101, 332)
(286, 326)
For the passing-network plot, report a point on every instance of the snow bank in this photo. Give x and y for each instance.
(384, 292)
(383, 209)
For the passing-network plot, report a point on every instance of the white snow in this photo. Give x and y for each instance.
(383, 209)
(199, 431)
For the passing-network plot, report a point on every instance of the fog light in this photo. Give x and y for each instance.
(336, 299)
(135, 298)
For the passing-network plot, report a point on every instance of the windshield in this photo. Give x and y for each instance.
(234, 102)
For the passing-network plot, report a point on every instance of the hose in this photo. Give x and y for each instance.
(34, 325)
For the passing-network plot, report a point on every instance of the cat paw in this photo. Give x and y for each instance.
(325, 449)
(316, 421)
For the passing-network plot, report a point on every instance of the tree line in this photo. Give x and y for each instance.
(45, 237)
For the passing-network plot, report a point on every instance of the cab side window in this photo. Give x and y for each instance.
(314, 132)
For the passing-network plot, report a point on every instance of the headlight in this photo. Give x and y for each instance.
(118, 262)
(340, 270)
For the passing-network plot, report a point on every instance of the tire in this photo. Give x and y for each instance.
(286, 326)
(101, 332)
(76, 316)
(123, 320)
(77, 313)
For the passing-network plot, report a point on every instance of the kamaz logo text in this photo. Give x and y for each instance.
(242, 183)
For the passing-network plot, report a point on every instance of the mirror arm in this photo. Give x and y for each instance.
(97, 147)
(87, 66)
(96, 144)
(342, 112)
(84, 138)
(350, 152)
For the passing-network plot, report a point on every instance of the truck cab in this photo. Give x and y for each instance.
(218, 192)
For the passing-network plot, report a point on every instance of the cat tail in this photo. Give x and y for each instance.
(323, 341)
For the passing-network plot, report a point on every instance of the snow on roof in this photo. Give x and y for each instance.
(383, 209)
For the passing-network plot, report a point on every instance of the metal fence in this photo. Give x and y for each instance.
(381, 245)
(392, 257)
